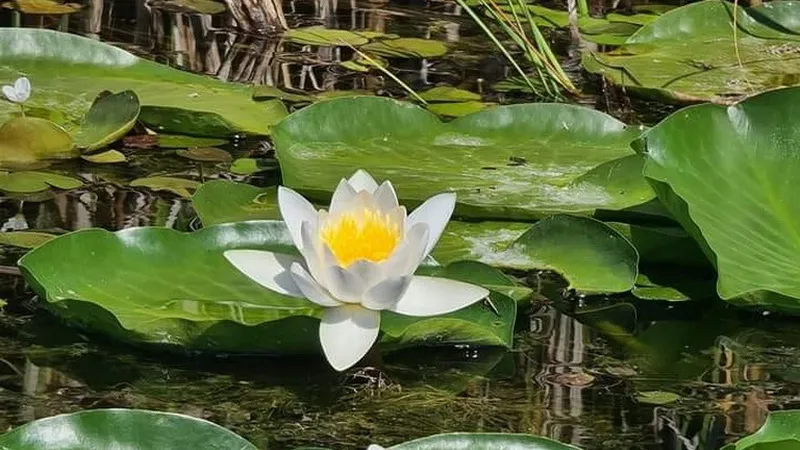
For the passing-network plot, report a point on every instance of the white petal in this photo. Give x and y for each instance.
(343, 196)
(386, 197)
(310, 288)
(23, 88)
(435, 212)
(369, 272)
(429, 296)
(347, 333)
(406, 258)
(362, 181)
(295, 210)
(311, 251)
(386, 294)
(344, 285)
(375, 447)
(268, 269)
(11, 94)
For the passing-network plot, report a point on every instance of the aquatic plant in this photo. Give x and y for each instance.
(358, 259)
(18, 92)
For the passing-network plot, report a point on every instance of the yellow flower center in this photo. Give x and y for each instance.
(364, 234)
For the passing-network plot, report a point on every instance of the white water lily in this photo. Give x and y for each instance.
(358, 259)
(19, 92)
(375, 447)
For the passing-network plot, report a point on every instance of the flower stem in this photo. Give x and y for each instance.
(22, 109)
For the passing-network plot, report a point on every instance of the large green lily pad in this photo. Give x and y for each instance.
(67, 72)
(128, 429)
(34, 181)
(25, 140)
(109, 119)
(160, 286)
(508, 162)
(726, 174)
(483, 441)
(688, 53)
(781, 431)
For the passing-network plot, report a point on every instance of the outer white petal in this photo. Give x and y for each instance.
(310, 288)
(23, 88)
(363, 181)
(11, 94)
(406, 258)
(435, 212)
(369, 272)
(344, 285)
(342, 197)
(311, 251)
(429, 296)
(386, 197)
(386, 293)
(347, 333)
(268, 269)
(295, 210)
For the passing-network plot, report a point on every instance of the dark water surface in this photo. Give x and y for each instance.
(579, 367)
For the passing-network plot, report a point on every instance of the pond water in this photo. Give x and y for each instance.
(590, 372)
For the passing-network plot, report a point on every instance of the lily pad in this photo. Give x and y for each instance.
(179, 186)
(657, 397)
(29, 139)
(779, 432)
(507, 162)
(31, 181)
(457, 109)
(67, 71)
(449, 94)
(318, 35)
(686, 54)
(189, 6)
(25, 239)
(44, 7)
(722, 172)
(131, 429)
(249, 166)
(483, 441)
(108, 120)
(264, 92)
(406, 48)
(175, 288)
(107, 157)
(206, 154)
(179, 141)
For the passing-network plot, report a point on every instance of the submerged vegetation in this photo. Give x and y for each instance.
(559, 252)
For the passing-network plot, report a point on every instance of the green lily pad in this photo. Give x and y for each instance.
(602, 31)
(406, 48)
(130, 429)
(181, 121)
(328, 95)
(264, 92)
(722, 172)
(107, 157)
(457, 109)
(657, 397)
(221, 201)
(507, 162)
(449, 94)
(189, 6)
(362, 64)
(108, 120)
(779, 432)
(25, 239)
(67, 71)
(318, 35)
(178, 186)
(206, 154)
(29, 139)
(179, 141)
(31, 181)
(483, 441)
(685, 55)
(175, 288)
(45, 7)
(248, 166)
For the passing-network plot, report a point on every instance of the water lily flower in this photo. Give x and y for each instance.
(19, 92)
(375, 447)
(358, 259)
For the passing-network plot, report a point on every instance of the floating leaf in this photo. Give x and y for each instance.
(44, 7)
(188, 295)
(685, 55)
(189, 6)
(179, 186)
(28, 182)
(130, 429)
(507, 162)
(29, 139)
(318, 35)
(177, 141)
(449, 94)
(181, 121)
(108, 120)
(248, 166)
(206, 154)
(107, 157)
(779, 432)
(264, 92)
(722, 172)
(221, 201)
(328, 95)
(483, 441)
(406, 48)
(67, 70)
(25, 239)
(457, 109)
(657, 397)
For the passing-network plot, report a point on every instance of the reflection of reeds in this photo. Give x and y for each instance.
(549, 79)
